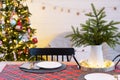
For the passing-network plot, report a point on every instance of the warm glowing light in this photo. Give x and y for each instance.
(11, 47)
(107, 63)
(4, 39)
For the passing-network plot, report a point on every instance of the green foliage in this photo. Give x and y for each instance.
(96, 30)
(16, 35)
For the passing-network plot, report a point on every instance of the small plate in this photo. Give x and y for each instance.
(99, 76)
(49, 64)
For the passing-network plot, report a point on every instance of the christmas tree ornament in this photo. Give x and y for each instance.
(25, 37)
(18, 27)
(34, 40)
(15, 30)
(13, 22)
(28, 20)
(15, 16)
(19, 22)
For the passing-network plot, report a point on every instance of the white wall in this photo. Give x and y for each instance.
(50, 22)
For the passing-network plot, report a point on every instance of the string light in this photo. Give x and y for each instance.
(67, 9)
(43, 8)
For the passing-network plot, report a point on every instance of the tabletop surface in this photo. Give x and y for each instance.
(11, 71)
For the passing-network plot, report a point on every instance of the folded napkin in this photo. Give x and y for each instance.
(29, 65)
(2, 65)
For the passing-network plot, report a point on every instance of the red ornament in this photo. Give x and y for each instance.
(19, 22)
(34, 40)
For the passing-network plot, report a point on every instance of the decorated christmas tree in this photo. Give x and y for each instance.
(16, 34)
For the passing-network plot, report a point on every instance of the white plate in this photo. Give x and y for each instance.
(99, 76)
(49, 64)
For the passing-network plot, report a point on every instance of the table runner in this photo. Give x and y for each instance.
(12, 72)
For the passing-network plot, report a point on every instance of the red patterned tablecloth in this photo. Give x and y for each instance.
(12, 72)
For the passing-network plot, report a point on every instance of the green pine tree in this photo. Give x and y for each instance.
(96, 30)
(16, 35)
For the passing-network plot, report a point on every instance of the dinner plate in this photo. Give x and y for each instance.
(99, 76)
(48, 64)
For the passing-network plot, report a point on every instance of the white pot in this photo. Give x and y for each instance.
(96, 56)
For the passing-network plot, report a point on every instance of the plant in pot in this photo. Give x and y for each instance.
(94, 33)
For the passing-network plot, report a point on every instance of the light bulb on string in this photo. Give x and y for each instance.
(115, 8)
(61, 9)
(43, 7)
(77, 13)
(54, 7)
(68, 10)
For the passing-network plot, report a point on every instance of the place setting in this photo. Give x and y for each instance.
(42, 66)
(101, 76)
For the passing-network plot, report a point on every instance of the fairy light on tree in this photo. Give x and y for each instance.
(16, 34)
